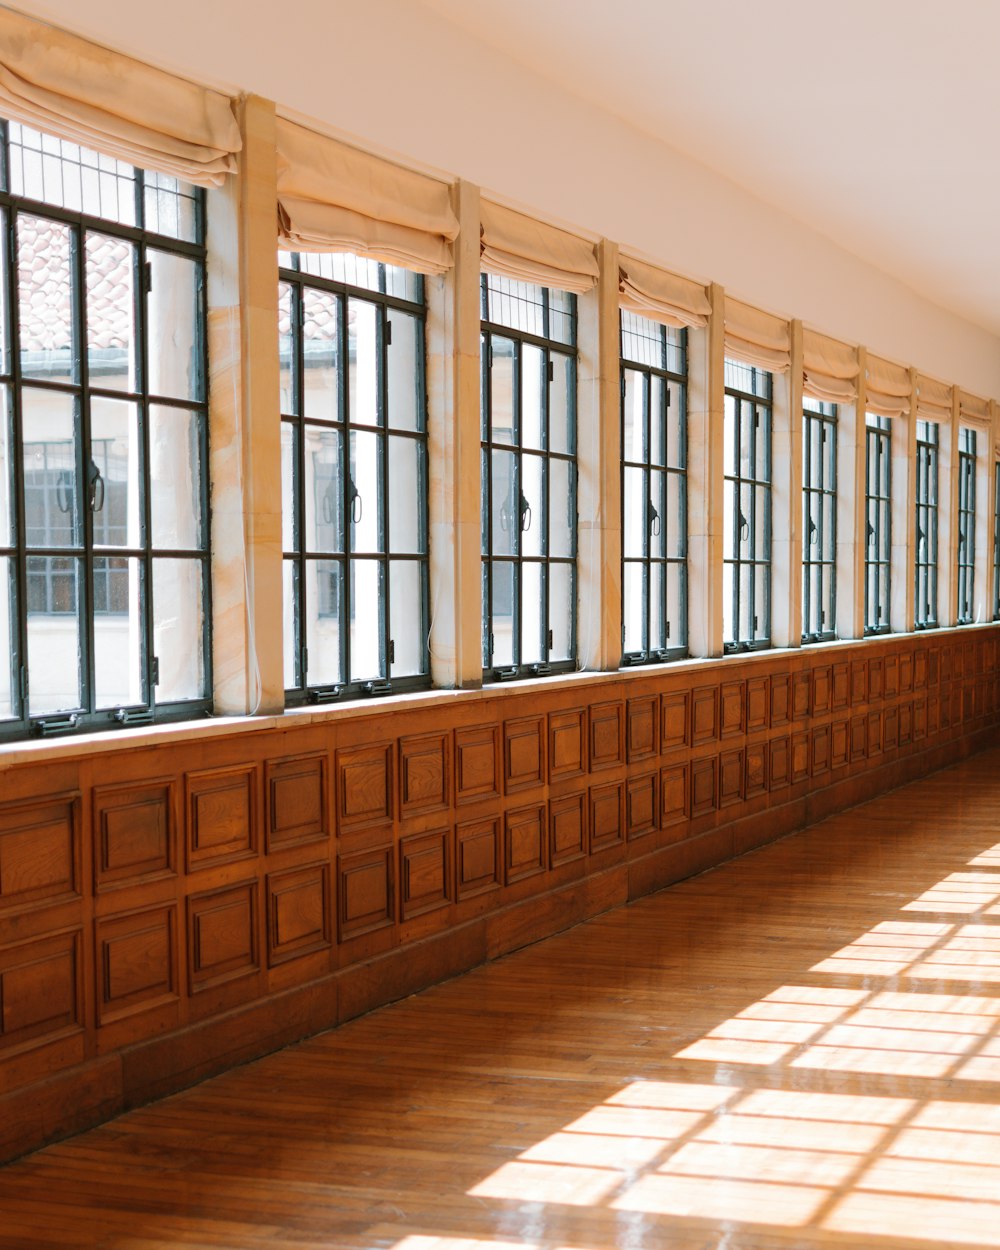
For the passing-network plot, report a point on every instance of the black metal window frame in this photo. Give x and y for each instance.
(515, 513)
(665, 390)
(996, 541)
(819, 521)
(966, 555)
(79, 560)
(878, 523)
(749, 533)
(298, 280)
(925, 600)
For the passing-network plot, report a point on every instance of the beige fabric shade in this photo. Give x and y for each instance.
(519, 247)
(829, 369)
(973, 408)
(757, 338)
(662, 296)
(887, 391)
(335, 198)
(933, 399)
(79, 91)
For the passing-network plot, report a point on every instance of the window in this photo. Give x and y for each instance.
(104, 579)
(354, 477)
(878, 543)
(966, 525)
(925, 598)
(654, 490)
(528, 478)
(747, 580)
(819, 520)
(996, 542)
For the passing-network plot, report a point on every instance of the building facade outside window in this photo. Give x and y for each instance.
(529, 478)
(926, 557)
(819, 521)
(878, 532)
(965, 606)
(654, 490)
(747, 504)
(354, 477)
(104, 577)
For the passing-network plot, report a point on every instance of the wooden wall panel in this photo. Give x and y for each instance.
(477, 763)
(525, 843)
(424, 873)
(364, 786)
(365, 895)
(607, 816)
(643, 721)
(221, 816)
(607, 736)
(524, 754)
(135, 834)
(223, 937)
(567, 828)
(424, 774)
(298, 913)
(39, 852)
(567, 744)
(479, 858)
(41, 991)
(137, 963)
(642, 801)
(296, 801)
(675, 720)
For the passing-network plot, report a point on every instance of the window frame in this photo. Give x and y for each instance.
(996, 540)
(825, 416)
(965, 556)
(925, 605)
(761, 404)
(878, 435)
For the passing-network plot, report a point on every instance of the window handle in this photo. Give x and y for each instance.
(744, 527)
(357, 504)
(328, 505)
(525, 514)
(95, 488)
(812, 531)
(871, 532)
(64, 490)
(654, 519)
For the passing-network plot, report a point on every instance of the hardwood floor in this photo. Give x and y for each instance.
(800, 1049)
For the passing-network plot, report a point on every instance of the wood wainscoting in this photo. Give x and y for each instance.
(170, 910)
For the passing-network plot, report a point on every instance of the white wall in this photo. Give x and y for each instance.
(403, 80)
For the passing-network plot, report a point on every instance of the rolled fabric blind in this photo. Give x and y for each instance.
(887, 391)
(335, 198)
(84, 93)
(973, 408)
(757, 337)
(933, 399)
(516, 246)
(662, 296)
(829, 369)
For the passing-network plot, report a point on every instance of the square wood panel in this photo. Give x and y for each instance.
(919, 670)
(921, 720)
(674, 795)
(839, 743)
(890, 728)
(221, 816)
(135, 833)
(525, 843)
(874, 733)
(758, 703)
(298, 913)
(822, 689)
(477, 763)
(607, 816)
(567, 743)
(607, 735)
(820, 750)
(905, 672)
(567, 829)
(524, 753)
(779, 763)
(642, 798)
(365, 786)
(365, 892)
(781, 699)
(643, 723)
(424, 774)
(905, 724)
(890, 675)
(755, 780)
(801, 695)
(136, 962)
(859, 737)
(875, 679)
(704, 786)
(731, 766)
(704, 714)
(296, 801)
(732, 711)
(800, 756)
(675, 719)
(41, 991)
(424, 873)
(478, 859)
(39, 852)
(859, 682)
(840, 687)
(223, 936)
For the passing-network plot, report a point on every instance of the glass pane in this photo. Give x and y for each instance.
(364, 493)
(562, 316)
(54, 641)
(51, 496)
(290, 604)
(407, 478)
(762, 522)
(676, 512)
(504, 600)
(533, 392)
(634, 606)
(289, 483)
(562, 508)
(286, 351)
(111, 336)
(562, 414)
(405, 367)
(634, 500)
(658, 515)
(408, 625)
(61, 173)
(730, 423)
(746, 603)
(324, 609)
(367, 620)
(4, 306)
(676, 450)
(506, 504)
(171, 207)
(173, 315)
(176, 468)
(118, 631)
(728, 522)
(178, 629)
(323, 489)
(658, 418)
(657, 619)
(745, 521)
(6, 469)
(532, 613)
(677, 605)
(114, 473)
(562, 606)
(728, 603)
(501, 376)
(633, 417)
(532, 505)
(883, 588)
(8, 633)
(762, 602)
(829, 546)
(320, 355)
(48, 343)
(363, 357)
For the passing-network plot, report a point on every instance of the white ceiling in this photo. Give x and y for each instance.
(873, 120)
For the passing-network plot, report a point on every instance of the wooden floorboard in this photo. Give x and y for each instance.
(799, 1050)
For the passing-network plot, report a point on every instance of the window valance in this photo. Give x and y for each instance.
(757, 337)
(887, 389)
(519, 247)
(662, 296)
(829, 369)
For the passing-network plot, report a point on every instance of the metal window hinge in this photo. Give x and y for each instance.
(23, 682)
(388, 332)
(147, 277)
(623, 387)
(550, 639)
(551, 371)
(392, 651)
(154, 670)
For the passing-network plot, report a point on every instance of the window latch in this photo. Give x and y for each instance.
(377, 687)
(744, 527)
(356, 502)
(64, 490)
(95, 488)
(324, 694)
(132, 715)
(654, 519)
(525, 514)
(53, 725)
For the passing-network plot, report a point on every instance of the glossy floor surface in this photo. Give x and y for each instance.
(800, 1049)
